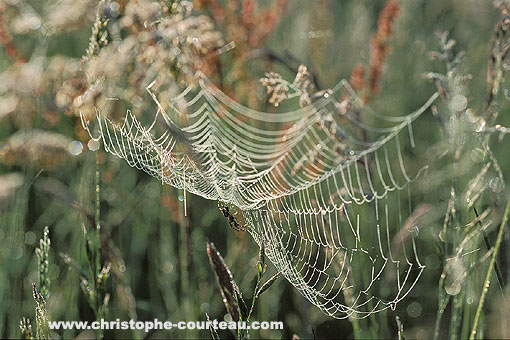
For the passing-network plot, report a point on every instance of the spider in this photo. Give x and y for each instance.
(231, 218)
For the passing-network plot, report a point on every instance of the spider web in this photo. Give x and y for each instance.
(321, 188)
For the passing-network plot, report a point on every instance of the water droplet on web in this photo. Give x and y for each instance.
(75, 147)
(453, 289)
(181, 198)
(496, 184)
(478, 155)
(93, 145)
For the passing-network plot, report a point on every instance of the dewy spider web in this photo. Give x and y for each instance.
(321, 188)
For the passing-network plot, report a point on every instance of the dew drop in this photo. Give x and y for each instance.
(114, 9)
(459, 102)
(75, 147)
(30, 238)
(414, 309)
(93, 145)
(34, 22)
(204, 307)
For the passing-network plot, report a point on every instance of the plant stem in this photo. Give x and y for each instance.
(488, 245)
(489, 272)
(97, 253)
(443, 302)
(465, 321)
(356, 329)
(456, 315)
(185, 260)
(97, 216)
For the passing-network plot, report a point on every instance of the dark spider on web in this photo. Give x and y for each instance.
(234, 224)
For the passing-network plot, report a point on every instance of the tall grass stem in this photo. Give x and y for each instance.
(487, 282)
